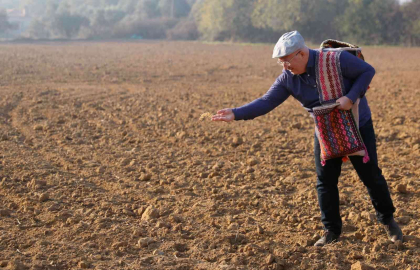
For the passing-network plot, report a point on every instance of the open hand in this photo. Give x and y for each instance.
(345, 103)
(225, 115)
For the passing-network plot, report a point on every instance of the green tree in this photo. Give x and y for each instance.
(318, 19)
(5, 25)
(128, 6)
(38, 8)
(279, 15)
(37, 29)
(224, 19)
(174, 8)
(411, 29)
(314, 19)
(103, 22)
(148, 9)
(371, 22)
(68, 25)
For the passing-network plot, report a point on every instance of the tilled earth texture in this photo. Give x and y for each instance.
(109, 161)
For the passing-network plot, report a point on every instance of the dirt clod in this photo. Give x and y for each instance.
(158, 252)
(402, 188)
(269, 259)
(146, 241)
(17, 265)
(5, 213)
(38, 128)
(399, 244)
(145, 177)
(180, 247)
(360, 266)
(83, 264)
(236, 141)
(252, 161)
(150, 213)
(44, 197)
(404, 220)
(37, 184)
(100, 170)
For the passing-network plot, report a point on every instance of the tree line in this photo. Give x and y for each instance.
(369, 22)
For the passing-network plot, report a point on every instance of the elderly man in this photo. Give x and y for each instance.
(298, 79)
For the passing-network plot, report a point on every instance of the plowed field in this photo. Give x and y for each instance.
(106, 164)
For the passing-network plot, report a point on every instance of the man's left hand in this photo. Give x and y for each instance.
(345, 103)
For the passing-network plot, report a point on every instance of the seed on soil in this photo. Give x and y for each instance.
(205, 116)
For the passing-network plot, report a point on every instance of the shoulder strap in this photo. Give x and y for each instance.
(328, 75)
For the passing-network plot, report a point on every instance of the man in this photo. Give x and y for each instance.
(298, 79)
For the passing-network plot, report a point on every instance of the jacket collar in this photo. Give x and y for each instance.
(311, 60)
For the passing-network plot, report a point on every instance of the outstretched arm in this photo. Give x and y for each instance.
(276, 95)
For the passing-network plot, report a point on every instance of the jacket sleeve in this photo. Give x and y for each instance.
(276, 95)
(357, 70)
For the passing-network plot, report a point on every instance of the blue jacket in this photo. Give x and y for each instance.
(357, 76)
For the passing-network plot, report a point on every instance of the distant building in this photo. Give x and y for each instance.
(19, 17)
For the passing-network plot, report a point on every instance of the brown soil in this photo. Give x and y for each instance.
(105, 163)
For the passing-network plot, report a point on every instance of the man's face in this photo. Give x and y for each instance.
(294, 62)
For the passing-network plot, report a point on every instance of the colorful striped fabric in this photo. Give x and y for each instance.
(337, 130)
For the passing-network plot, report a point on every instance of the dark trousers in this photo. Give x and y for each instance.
(369, 173)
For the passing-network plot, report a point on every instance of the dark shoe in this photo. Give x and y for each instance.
(328, 238)
(393, 230)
